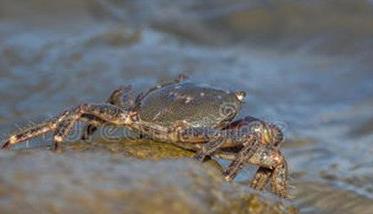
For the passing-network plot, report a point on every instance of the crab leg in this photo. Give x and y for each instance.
(270, 133)
(64, 122)
(223, 139)
(119, 98)
(62, 131)
(237, 164)
(91, 128)
(34, 131)
(279, 180)
(261, 178)
(207, 149)
(277, 176)
(272, 166)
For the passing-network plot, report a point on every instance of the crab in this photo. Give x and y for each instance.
(188, 115)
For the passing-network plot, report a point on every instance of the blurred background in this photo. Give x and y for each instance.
(306, 64)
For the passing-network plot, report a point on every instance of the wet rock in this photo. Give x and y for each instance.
(140, 149)
(114, 38)
(363, 129)
(298, 142)
(83, 180)
(315, 197)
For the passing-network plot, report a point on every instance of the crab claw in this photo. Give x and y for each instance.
(277, 136)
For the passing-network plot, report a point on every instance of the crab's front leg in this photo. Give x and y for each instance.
(120, 98)
(220, 140)
(261, 179)
(248, 150)
(208, 149)
(272, 163)
(268, 133)
(207, 139)
(251, 133)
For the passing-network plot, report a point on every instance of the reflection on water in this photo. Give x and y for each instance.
(306, 64)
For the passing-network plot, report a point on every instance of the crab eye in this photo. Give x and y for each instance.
(240, 95)
(267, 135)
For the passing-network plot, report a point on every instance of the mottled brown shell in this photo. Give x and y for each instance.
(197, 106)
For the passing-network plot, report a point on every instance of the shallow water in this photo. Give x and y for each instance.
(305, 65)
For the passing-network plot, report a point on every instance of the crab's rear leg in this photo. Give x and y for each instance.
(63, 124)
(91, 128)
(62, 130)
(34, 131)
(208, 149)
(120, 98)
(94, 114)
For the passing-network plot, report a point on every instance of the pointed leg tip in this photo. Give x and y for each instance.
(282, 192)
(285, 195)
(199, 157)
(84, 138)
(6, 145)
(56, 150)
(227, 176)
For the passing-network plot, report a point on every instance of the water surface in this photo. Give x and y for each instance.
(305, 65)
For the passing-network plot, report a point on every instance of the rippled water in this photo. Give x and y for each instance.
(304, 64)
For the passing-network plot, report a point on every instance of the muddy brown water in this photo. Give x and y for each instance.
(306, 65)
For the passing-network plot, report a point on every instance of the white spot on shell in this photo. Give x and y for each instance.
(173, 94)
(202, 94)
(157, 115)
(188, 99)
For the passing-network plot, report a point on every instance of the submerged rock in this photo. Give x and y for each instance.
(317, 197)
(102, 177)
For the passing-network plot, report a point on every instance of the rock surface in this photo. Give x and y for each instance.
(111, 178)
